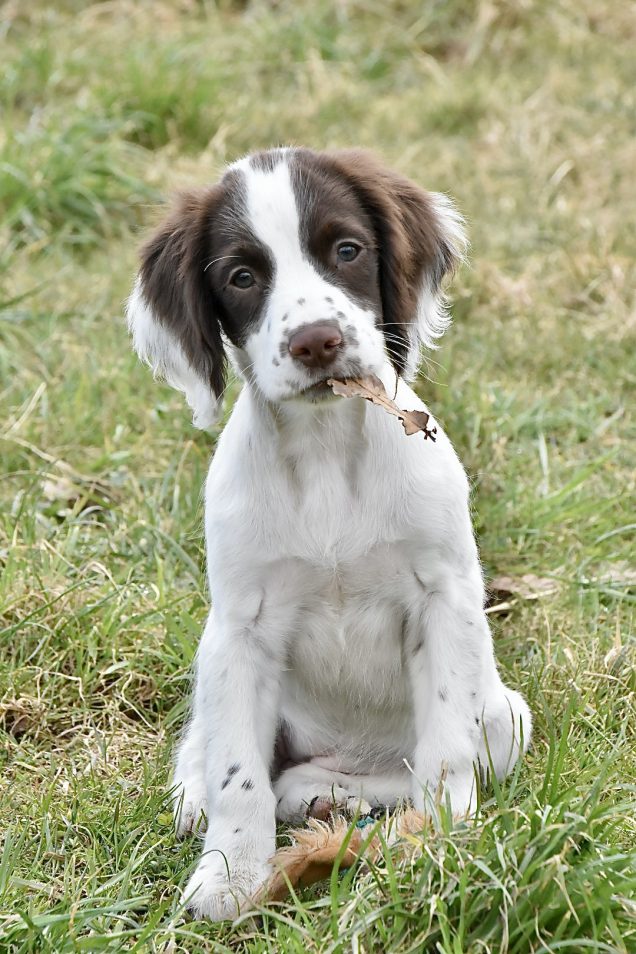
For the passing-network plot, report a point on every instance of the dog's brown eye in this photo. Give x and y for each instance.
(242, 278)
(348, 251)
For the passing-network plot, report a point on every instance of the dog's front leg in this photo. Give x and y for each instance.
(466, 719)
(238, 675)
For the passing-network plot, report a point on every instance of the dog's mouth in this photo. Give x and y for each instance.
(320, 390)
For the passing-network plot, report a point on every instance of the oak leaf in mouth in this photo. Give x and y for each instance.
(371, 389)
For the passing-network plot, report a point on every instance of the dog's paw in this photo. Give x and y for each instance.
(211, 894)
(460, 790)
(462, 794)
(314, 800)
(338, 802)
(190, 807)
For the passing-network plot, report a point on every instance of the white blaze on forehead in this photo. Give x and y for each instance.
(270, 208)
(273, 214)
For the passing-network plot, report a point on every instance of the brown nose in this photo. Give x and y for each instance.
(316, 346)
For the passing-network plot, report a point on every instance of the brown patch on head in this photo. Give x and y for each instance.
(187, 268)
(331, 214)
(173, 280)
(409, 237)
(266, 160)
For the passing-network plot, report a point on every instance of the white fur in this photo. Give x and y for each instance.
(158, 348)
(299, 293)
(433, 316)
(347, 597)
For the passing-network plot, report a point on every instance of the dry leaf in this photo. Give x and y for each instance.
(70, 489)
(22, 716)
(527, 587)
(371, 389)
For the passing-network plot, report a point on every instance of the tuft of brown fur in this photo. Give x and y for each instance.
(315, 848)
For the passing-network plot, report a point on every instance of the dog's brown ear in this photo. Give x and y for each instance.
(420, 239)
(171, 311)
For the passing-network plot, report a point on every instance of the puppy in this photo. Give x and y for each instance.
(347, 658)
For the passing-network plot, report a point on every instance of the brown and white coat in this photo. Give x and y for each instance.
(347, 655)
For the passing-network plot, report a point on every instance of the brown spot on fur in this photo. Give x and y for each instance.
(320, 807)
(408, 236)
(174, 282)
(185, 274)
(350, 337)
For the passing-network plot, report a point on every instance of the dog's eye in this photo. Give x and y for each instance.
(348, 251)
(242, 278)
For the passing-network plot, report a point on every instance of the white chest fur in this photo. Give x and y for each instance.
(337, 528)
(345, 689)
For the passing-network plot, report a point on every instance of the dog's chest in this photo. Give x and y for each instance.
(332, 510)
(345, 660)
(346, 539)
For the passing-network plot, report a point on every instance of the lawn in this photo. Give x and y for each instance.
(525, 112)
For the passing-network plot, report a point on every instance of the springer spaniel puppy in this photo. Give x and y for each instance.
(347, 658)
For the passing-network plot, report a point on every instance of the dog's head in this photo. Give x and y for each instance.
(304, 266)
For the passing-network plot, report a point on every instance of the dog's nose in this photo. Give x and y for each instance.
(316, 346)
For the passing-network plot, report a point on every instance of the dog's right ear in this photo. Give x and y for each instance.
(171, 310)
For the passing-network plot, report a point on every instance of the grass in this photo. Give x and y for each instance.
(524, 111)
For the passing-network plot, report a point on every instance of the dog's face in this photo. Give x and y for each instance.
(310, 265)
(294, 274)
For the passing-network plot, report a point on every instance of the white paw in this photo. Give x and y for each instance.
(508, 727)
(211, 894)
(190, 807)
(317, 801)
(460, 789)
(337, 802)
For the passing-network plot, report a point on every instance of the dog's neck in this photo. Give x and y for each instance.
(313, 439)
(319, 445)
(329, 427)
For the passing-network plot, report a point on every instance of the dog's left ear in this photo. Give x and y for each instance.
(421, 239)
(171, 313)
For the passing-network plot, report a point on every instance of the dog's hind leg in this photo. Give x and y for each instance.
(311, 790)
